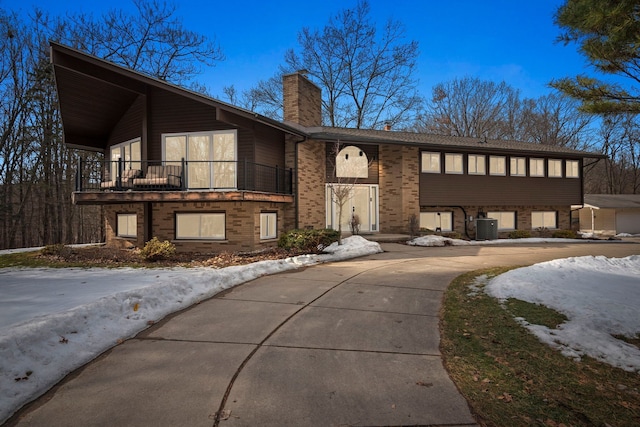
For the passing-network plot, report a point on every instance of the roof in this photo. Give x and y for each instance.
(613, 201)
(443, 142)
(82, 79)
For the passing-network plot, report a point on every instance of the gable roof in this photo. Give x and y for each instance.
(444, 142)
(613, 201)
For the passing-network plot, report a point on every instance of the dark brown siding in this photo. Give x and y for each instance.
(130, 125)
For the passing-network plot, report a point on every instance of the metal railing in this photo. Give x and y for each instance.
(183, 175)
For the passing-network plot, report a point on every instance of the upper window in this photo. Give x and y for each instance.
(536, 167)
(200, 226)
(126, 225)
(352, 162)
(436, 221)
(477, 165)
(555, 168)
(268, 228)
(506, 220)
(518, 166)
(453, 163)
(128, 154)
(210, 156)
(497, 165)
(572, 170)
(544, 219)
(430, 162)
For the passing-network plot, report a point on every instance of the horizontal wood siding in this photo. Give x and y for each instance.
(482, 190)
(130, 125)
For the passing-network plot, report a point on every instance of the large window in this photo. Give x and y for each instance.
(210, 156)
(453, 163)
(536, 167)
(430, 162)
(572, 170)
(268, 225)
(506, 220)
(130, 154)
(209, 226)
(544, 219)
(555, 168)
(126, 225)
(477, 165)
(497, 165)
(436, 221)
(518, 166)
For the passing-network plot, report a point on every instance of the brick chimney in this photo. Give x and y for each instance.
(302, 100)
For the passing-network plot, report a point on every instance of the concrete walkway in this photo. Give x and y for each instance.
(354, 343)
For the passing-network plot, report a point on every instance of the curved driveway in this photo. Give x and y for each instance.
(354, 343)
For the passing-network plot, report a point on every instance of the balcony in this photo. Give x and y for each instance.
(100, 182)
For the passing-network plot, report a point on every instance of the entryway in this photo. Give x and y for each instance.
(362, 200)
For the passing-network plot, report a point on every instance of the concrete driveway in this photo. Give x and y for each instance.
(353, 343)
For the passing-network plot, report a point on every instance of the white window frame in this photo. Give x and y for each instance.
(130, 222)
(572, 169)
(544, 219)
(518, 166)
(536, 167)
(504, 217)
(435, 220)
(431, 162)
(494, 165)
(199, 216)
(453, 163)
(131, 154)
(268, 225)
(216, 167)
(554, 166)
(477, 164)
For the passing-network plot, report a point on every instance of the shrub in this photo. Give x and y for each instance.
(155, 250)
(414, 225)
(564, 234)
(308, 241)
(520, 234)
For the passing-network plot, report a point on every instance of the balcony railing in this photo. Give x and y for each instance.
(185, 175)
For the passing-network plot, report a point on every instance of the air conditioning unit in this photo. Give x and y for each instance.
(486, 229)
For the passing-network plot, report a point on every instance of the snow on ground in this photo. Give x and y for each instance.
(53, 321)
(600, 296)
(433, 240)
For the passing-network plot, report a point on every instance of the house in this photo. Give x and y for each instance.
(610, 214)
(210, 176)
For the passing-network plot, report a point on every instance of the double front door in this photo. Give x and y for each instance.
(361, 201)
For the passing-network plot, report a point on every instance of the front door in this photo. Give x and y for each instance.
(361, 202)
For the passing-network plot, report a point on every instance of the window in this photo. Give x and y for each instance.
(518, 166)
(497, 165)
(555, 168)
(477, 165)
(430, 162)
(548, 219)
(506, 220)
(129, 153)
(453, 163)
(211, 157)
(536, 167)
(200, 226)
(572, 169)
(352, 162)
(268, 228)
(436, 221)
(126, 225)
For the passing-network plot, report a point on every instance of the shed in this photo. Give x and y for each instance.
(610, 214)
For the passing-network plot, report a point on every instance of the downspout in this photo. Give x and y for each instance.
(466, 230)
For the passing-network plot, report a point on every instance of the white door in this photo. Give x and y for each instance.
(362, 200)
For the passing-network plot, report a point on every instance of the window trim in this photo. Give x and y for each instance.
(210, 238)
(517, 172)
(264, 236)
(453, 156)
(431, 154)
(532, 169)
(504, 160)
(129, 215)
(475, 164)
(493, 215)
(570, 163)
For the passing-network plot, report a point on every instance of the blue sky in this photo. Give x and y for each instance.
(494, 40)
